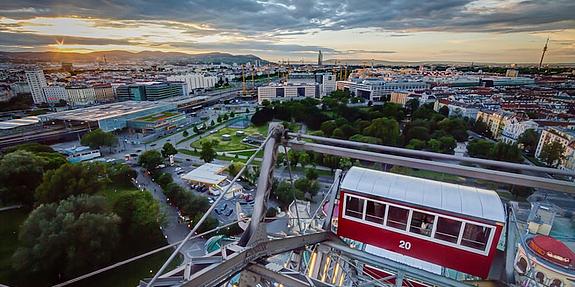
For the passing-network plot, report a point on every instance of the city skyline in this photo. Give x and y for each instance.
(458, 30)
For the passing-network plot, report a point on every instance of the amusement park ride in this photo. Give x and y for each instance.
(370, 213)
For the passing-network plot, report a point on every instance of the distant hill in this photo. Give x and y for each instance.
(124, 56)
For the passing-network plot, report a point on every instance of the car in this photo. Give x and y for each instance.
(178, 169)
(169, 140)
(218, 212)
(229, 212)
(210, 200)
(139, 151)
(153, 144)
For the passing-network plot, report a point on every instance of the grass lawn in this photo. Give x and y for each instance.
(156, 117)
(10, 223)
(235, 143)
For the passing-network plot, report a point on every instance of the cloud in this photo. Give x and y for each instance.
(370, 51)
(294, 16)
(32, 40)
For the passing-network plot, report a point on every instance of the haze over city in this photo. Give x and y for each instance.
(459, 30)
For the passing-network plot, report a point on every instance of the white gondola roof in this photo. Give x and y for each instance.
(476, 202)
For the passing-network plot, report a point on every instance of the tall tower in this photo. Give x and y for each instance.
(319, 58)
(543, 54)
(37, 81)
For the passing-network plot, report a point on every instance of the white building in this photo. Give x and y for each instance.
(195, 81)
(377, 90)
(326, 81)
(514, 127)
(81, 95)
(564, 136)
(36, 81)
(54, 94)
(276, 92)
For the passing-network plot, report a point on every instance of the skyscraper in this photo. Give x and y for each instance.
(37, 81)
(319, 58)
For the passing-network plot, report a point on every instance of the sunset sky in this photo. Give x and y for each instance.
(512, 31)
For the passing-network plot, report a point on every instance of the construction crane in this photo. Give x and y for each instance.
(543, 54)
(253, 81)
(244, 89)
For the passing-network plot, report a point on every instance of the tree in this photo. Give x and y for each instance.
(196, 130)
(58, 238)
(293, 157)
(307, 186)
(328, 127)
(163, 179)
(412, 105)
(416, 144)
(304, 159)
(285, 194)
(219, 119)
(447, 144)
(311, 174)
(444, 111)
(140, 215)
(98, 138)
(20, 174)
(247, 110)
(150, 159)
(365, 139)
(121, 174)
(168, 149)
(234, 168)
(262, 116)
(393, 110)
(185, 133)
(506, 152)
(417, 132)
(480, 148)
(71, 179)
(345, 163)
(385, 129)
(232, 114)
(225, 117)
(212, 123)
(455, 127)
(552, 153)
(208, 154)
(529, 140)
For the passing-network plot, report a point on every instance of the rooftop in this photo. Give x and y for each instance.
(10, 124)
(106, 111)
(208, 173)
(459, 199)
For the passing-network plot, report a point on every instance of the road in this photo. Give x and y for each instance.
(172, 229)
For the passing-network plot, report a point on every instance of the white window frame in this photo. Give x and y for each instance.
(408, 233)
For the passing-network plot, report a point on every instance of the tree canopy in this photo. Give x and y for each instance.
(529, 140)
(71, 179)
(168, 149)
(98, 138)
(150, 159)
(20, 174)
(208, 153)
(68, 238)
(552, 153)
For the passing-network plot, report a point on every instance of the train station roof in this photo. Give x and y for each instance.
(15, 123)
(106, 111)
(441, 196)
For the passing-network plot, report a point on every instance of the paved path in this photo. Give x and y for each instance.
(6, 208)
(173, 230)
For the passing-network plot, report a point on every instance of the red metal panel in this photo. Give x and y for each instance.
(450, 257)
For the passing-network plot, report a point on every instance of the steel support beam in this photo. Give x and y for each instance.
(216, 274)
(427, 154)
(254, 231)
(285, 278)
(401, 269)
(474, 172)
